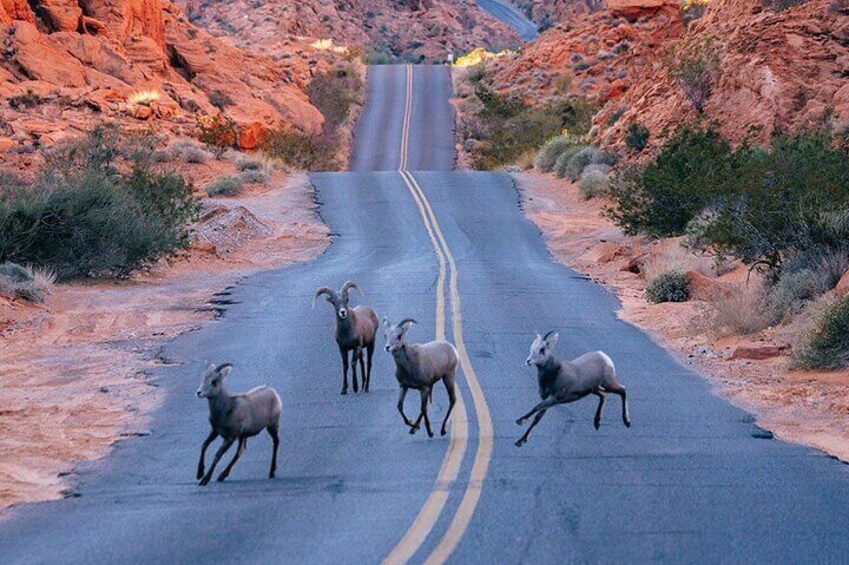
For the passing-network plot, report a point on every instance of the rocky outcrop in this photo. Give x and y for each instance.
(546, 13)
(596, 55)
(69, 65)
(778, 71)
(410, 29)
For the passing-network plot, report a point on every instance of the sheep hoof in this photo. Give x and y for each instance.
(520, 421)
(221, 478)
(200, 474)
(443, 432)
(519, 443)
(429, 433)
(344, 391)
(628, 424)
(596, 424)
(204, 481)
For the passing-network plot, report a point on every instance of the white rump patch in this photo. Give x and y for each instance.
(607, 360)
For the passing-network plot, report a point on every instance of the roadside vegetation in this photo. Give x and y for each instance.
(501, 129)
(101, 206)
(337, 93)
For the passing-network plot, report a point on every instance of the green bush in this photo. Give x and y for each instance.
(507, 128)
(219, 133)
(254, 176)
(552, 149)
(594, 182)
(828, 345)
(84, 217)
(561, 166)
(304, 151)
(188, 151)
(668, 287)
(637, 137)
(335, 92)
(779, 203)
(589, 155)
(693, 169)
(693, 64)
(226, 185)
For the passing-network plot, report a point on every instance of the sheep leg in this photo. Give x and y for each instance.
(210, 438)
(363, 377)
(344, 370)
(524, 439)
(218, 454)
(602, 397)
(354, 370)
(370, 353)
(243, 442)
(544, 405)
(275, 437)
(452, 399)
(401, 398)
(620, 390)
(425, 397)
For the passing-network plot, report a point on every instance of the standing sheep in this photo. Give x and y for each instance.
(420, 366)
(561, 382)
(356, 329)
(236, 417)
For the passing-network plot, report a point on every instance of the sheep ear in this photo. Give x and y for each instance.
(224, 370)
(386, 323)
(210, 368)
(551, 339)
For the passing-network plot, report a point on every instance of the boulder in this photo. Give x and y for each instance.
(842, 288)
(759, 352)
(704, 288)
(632, 10)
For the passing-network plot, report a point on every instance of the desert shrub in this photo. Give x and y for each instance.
(28, 99)
(827, 346)
(335, 92)
(552, 149)
(84, 217)
(248, 163)
(743, 310)
(693, 64)
(220, 99)
(227, 185)
(637, 136)
(507, 128)
(691, 170)
(593, 183)
(378, 55)
(304, 151)
(584, 157)
(188, 151)
(779, 203)
(692, 10)
(219, 133)
(676, 258)
(616, 114)
(805, 278)
(561, 166)
(668, 287)
(17, 281)
(254, 176)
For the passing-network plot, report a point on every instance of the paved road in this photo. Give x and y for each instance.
(511, 16)
(693, 480)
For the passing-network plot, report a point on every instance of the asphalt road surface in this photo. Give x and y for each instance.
(511, 16)
(693, 480)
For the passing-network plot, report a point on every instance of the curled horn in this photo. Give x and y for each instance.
(348, 286)
(548, 335)
(323, 290)
(405, 321)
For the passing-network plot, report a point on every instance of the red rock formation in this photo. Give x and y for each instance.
(99, 52)
(430, 28)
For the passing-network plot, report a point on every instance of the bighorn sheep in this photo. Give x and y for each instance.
(567, 381)
(237, 416)
(355, 329)
(420, 366)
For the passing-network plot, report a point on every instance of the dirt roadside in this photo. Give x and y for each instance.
(806, 408)
(72, 372)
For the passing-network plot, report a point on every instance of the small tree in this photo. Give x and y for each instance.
(637, 136)
(219, 133)
(693, 64)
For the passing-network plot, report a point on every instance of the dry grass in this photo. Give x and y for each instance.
(28, 283)
(143, 98)
(743, 311)
(676, 258)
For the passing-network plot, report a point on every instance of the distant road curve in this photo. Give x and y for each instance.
(511, 16)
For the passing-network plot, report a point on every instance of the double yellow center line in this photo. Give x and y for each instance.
(430, 512)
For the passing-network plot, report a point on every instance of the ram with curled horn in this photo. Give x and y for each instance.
(356, 329)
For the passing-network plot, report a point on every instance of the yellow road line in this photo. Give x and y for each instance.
(431, 510)
(458, 439)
